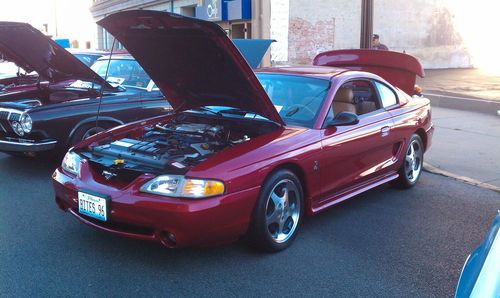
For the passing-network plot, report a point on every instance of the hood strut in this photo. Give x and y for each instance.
(102, 87)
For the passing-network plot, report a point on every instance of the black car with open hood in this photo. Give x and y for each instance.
(33, 51)
(60, 107)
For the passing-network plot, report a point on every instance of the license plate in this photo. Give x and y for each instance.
(93, 206)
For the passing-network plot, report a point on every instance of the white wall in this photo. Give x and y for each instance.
(423, 28)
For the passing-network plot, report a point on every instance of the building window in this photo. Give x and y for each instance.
(107, 41)
(188, 11)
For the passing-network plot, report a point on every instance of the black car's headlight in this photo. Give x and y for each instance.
(71, 162)
(17, 128)
(178, 186)
(26, 123)
(22, 125)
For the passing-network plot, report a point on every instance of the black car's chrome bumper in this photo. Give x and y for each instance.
(27, 146)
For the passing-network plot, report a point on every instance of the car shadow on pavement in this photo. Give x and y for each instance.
(407, 242)
(144, 250)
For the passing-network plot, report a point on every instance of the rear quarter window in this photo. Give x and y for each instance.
(387, 96)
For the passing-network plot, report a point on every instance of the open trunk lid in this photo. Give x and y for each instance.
(399, 69)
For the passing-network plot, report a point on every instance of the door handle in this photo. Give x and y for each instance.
(384, 131)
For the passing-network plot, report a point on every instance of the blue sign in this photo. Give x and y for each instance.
(224, 10)
(237, 10)
(63, 42)
(210, 10)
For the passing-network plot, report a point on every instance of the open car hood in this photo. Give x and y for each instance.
(192, 61)
(399, 69)
(30, 49)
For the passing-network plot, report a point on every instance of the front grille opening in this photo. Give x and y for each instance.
(121, 175)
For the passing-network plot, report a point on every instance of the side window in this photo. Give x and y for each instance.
(387, 96)
(357, 96)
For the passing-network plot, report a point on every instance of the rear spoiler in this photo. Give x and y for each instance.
(399, 69)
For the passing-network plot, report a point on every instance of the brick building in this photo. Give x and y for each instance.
(303, 28)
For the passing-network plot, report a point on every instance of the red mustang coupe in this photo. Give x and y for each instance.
(242, 154)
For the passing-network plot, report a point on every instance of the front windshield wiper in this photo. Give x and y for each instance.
(205, 109)
(292, 112)
(243, 113)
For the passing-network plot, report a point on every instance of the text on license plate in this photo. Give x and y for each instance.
(92, 206)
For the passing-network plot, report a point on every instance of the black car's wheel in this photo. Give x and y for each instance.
(278, 212)
(411, 169)
(86, 131)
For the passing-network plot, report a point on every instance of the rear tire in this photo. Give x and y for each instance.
(278, 212)
(411, 169)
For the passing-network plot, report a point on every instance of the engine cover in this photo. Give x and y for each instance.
(175, 146)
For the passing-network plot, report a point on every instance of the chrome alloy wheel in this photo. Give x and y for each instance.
(283, 210)
(413, 161)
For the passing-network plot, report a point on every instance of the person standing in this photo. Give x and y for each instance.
(376, 45)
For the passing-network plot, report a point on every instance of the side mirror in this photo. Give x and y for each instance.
(344, 119)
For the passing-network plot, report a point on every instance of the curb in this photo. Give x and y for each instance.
(463, 103)
(434, 170)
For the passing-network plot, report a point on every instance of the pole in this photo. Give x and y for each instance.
(171, 6)
(366, 24)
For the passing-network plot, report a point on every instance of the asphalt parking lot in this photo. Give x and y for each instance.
(387, 242)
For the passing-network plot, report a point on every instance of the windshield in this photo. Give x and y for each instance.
(123, 72)
(297, 99)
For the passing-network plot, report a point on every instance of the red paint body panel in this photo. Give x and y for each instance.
(399, 69)
(146, 216)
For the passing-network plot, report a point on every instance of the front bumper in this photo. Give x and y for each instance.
(205, 222)
(16, 145)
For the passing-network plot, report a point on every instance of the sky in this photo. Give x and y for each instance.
(477, 22)
(73, 21)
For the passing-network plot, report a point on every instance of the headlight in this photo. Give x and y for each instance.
(26, 123)
(18, 129)
(178, 186)
(71, 162)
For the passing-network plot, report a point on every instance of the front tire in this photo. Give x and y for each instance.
(86, 131)
(278, 212)
(411, 169)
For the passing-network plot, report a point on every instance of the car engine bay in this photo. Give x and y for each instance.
(176, 146)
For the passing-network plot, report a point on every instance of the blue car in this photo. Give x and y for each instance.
(481, 273)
